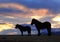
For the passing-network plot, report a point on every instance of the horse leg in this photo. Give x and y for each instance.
(29, 33)
(49, 31)
(22, 33)
(39, 32)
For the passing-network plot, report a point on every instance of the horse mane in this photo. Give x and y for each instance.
(46, 22)
(35, 20)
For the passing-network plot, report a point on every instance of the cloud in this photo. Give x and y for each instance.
(47, 4)
(27, 11)
(14, 20)
(22, 11)
(10, 10)
(11, 7)
(6, 26)
(40, 12)
(23, 17)
(55, 25)
(10, 32)
(56, 21)
(52, 5)
(1, 20)
(56, 18)
(9, 17)
(26, 15)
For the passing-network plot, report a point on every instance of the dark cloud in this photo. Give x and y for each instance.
(13, 31)
(10, 10)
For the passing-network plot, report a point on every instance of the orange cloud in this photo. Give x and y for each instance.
(33, 13)
(39, 12)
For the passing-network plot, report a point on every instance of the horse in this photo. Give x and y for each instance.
(24, 28)
(39, 25)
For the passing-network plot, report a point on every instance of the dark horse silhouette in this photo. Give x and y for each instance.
(39, 25)
(24, 28)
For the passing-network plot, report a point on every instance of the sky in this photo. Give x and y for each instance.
(23, 11)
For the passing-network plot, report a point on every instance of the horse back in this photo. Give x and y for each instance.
(27, 28)
(46, 24)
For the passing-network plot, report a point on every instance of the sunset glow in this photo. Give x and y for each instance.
(57, 18)
(36, 17)
(6, 26)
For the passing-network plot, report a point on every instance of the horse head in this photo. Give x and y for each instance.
(33, 21)
(17, 25)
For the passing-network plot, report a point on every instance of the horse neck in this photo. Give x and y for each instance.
(34, 22)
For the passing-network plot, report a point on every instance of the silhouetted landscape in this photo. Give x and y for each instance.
(4, 35)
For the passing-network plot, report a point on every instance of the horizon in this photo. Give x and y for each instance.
(13, 31)
(6, 26)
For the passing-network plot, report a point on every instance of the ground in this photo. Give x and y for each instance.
(53, 38)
